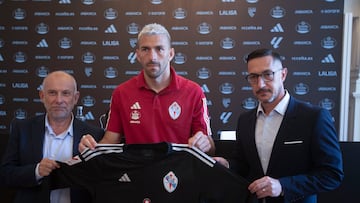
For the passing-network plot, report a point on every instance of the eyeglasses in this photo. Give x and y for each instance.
(266, 76)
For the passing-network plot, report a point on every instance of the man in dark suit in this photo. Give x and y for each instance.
(286, 148)
(35, 143)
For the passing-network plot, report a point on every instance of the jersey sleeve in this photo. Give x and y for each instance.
(201, 120)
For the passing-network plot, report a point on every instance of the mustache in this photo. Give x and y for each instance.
(263, 90)
(153, 63)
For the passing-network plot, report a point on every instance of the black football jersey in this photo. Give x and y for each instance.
(152, 173)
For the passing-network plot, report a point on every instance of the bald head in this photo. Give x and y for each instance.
(59, 95)
(60, 75)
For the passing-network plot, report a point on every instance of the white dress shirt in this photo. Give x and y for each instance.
(267, 127)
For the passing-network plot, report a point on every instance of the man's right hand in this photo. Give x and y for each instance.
(46, 166)
(87, 141)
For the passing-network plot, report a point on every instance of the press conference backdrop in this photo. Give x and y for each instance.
(95, 41)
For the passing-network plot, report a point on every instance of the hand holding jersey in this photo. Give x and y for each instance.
(199, 140)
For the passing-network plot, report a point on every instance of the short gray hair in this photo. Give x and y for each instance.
(154, 29)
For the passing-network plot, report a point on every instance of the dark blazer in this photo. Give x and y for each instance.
(306, 156)
(25, 150)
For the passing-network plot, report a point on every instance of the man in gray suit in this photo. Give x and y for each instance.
(35, 143)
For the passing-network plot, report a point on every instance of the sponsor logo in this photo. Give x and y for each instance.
(277, 28)
(125, 178)
(330, 11)
(20, 71)
(133, 13)
(42, 28)
(88, 58)
(88, 2)
(88, 28)
(179, 13)
(20, 114)
(327, 89)
(179, 58)
(2, 99)
(249, 103)
(110, 72)
(42, 71)
(301, 58)
(275, 42)
(64, 1)
(87, 13)
(38, 13)
(88, 86)
(170, 182)
(227, 88)
(227, 43)
(65, 28)
(303, 27)
(223, 27)
(88, 43)
(179, 43)
(251, 11)
(19, 57)
(133, 28)
(110, 58)
(16, 43)
(65, 43)
(328, 42)
(327, 103)
(156, 2)
(65, 14)
(301, 89)
(88, 101)
(110, 14)
(179, 28)
(205, 88)
(225, 116)
(204, 58)
(19, 14)
(226, 102)
(156, 13)
(204, 28)
(203, 73)
(111, 43)
(277, 12)
(300, 73)
(88, 71)
(42, 44)
(231, 12)
(204, 13)
(303, 12)
(20, 85)
(204, 43)
(174, 110)
(132, 57)
(327, 73)
(111, 29)
(19, 28)
(328, 59)
(227, 58)
(17, 99)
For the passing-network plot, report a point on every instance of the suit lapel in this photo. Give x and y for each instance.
(78, 132)
(250, 142)
(38, 133)
(287, 122)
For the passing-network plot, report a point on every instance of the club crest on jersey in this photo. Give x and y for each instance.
(170, 182)
(174, 110)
